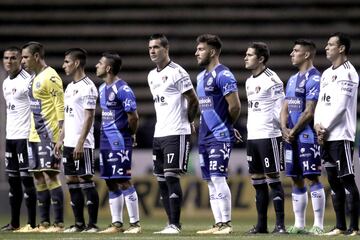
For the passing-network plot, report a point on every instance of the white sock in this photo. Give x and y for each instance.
(214, 203)
(132, 205)
(318, 202)
(300, 201)
(116, 203)
(223, 197)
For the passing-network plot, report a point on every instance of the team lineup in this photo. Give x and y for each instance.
(299, 128)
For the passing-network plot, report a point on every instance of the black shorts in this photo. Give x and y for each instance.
(42, 158)
(339, 154)
(171, 154)
(265, 155)
(16, 156)
(78, 167)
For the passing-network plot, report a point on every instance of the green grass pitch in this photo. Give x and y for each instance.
(150, 225)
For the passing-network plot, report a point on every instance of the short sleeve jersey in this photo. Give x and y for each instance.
(79, 96)
(265, 93)
(15, 91)
(167, 87)
(299, 89)
(116, 100)
(47, 105)
(337, 106)
(215, 121)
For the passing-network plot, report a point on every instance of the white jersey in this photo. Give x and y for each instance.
(337, 105)
(15, 91)
(167, 87)
(265, 94)
(78, 96)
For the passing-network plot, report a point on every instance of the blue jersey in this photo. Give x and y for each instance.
(301, 88)
(215, 121)
(116, 100)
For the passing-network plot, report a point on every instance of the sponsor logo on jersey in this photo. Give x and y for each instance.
(254, 106)
(346, 87)
(108, 115)
(11, 106)
(126, 88)
(69, 110)
(160, 100)
(35, 104)
(228, 87)
(111, 158)
(206, 102)
(295, 104)
(326, 99)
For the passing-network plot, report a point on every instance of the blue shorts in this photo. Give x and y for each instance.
(115, 164)
(214, 159)
(302, 159)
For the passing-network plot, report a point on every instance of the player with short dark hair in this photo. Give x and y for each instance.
(176, 106)
(47, 105)
(15, 90)
(77, 137)
(265, 94)
(302, 151)
(117, 138)
(220, 108)
(335, 125)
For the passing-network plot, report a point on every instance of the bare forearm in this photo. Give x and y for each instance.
(234, 113)
(193, 109)
(86, 129)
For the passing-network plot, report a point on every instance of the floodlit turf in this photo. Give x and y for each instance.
(151, 225)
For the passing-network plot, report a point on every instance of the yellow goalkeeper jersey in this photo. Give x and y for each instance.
(47, 105)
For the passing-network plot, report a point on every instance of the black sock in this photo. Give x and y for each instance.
(77, 202)
(44, 199)
(57, 202)
(277, 194)
(164, 194)
(15, 199)
(92, 202)
(337, 196)
(30, 199)
(175, 199)
(352, 200)
(262, 202)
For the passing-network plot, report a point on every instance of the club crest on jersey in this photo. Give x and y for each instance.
(164, 79)
(37, 85)
(13, 91)
(112, 96)
(75, 92)
(209, 86)
(334, 78)
(257, 89)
